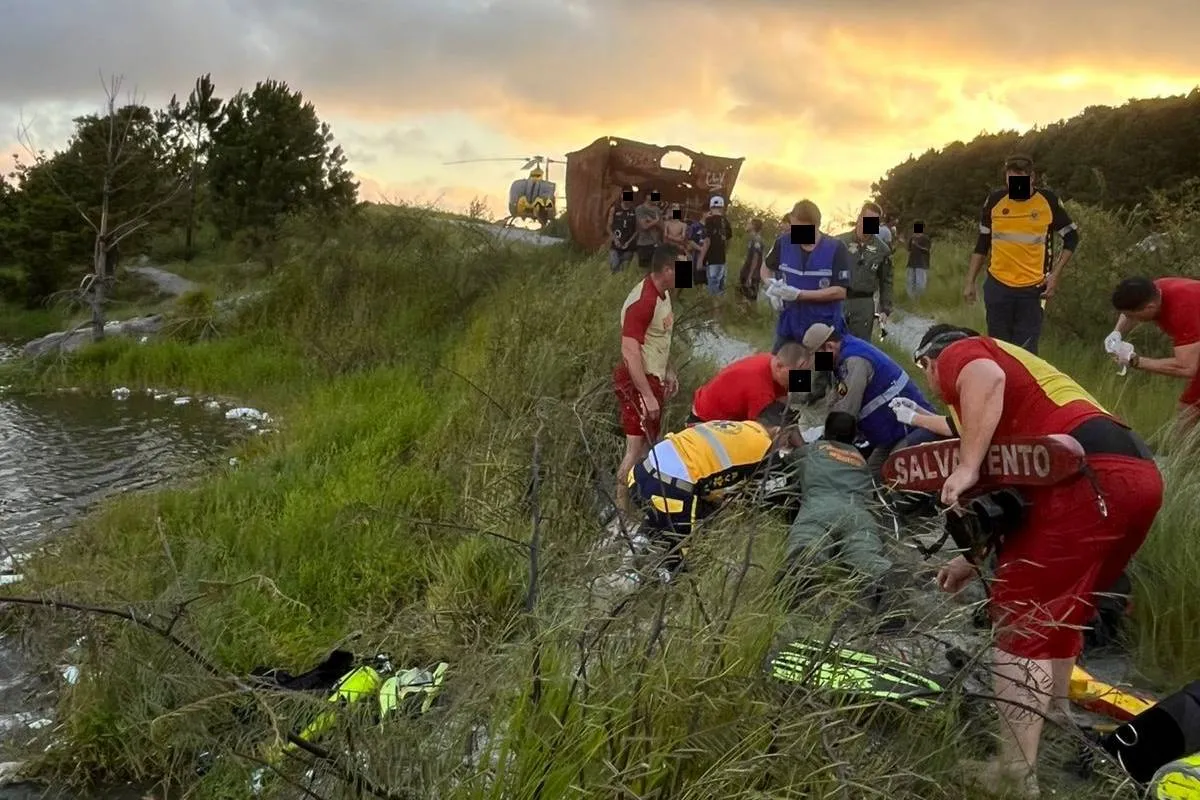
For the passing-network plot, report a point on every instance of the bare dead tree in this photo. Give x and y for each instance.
(108, 232)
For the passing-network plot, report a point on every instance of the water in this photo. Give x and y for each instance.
(62, 453)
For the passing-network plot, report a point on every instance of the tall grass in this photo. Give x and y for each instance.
(1167, 569)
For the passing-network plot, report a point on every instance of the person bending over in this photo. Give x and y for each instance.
(691, 473)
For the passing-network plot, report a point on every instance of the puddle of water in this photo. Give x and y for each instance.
(62, 453)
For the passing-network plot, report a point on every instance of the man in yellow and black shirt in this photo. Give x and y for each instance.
(1018, 230)
(690, 473)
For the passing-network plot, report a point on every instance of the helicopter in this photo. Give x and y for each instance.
(532, 198)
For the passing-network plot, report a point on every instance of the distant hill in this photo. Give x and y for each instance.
(1106, 156)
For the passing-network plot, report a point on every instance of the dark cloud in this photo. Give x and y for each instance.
(534, 66)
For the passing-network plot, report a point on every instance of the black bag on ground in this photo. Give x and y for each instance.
(1160, 734)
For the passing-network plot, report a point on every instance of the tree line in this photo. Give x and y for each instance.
(1112, 157)
(132, 173)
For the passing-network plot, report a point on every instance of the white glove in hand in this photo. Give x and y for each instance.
(1111, 341)
(778, 288)
(905, 410)
(1123, 352)
(812, 434)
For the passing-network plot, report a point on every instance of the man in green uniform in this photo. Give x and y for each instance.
(871, 271)
(835, 521)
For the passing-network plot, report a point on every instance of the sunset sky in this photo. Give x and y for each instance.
(820, 97)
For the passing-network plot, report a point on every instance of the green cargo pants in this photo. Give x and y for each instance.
(860, 316)
(828, 528)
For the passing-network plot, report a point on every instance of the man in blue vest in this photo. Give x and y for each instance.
(865, 381)
(816, 271)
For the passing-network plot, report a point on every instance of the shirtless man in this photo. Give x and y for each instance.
(675, 229)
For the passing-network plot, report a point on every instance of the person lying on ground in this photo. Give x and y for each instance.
(686, 477)
(1173, 304)
(743, 389)
(835, 522)
(865, 380)
(1078, 538)
(644, 379)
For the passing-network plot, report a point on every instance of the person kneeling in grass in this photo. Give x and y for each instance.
(691, 473)
(835, 521)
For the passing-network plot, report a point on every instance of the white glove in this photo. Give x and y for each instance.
(778, 288)
(812, 434)
(905, 410)
(1123, 352)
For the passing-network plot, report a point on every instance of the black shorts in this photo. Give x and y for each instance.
(645, 255)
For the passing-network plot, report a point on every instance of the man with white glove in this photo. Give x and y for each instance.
(905, 410)
(778, 293)
(1121, 350)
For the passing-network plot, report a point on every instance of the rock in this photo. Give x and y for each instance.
(247, 413)
(166, 282)
(182, 401)
(120, 393)
(70, 341)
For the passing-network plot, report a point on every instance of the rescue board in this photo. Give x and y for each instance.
(1093, 694)
(853, 673)
(1015, 461)
(1178, 780)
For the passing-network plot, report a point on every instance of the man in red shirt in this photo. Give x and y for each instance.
(644, 380)
(743, 389)
(1174, 305)
(1077, 540)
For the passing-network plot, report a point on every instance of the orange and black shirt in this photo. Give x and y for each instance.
(1019, 234)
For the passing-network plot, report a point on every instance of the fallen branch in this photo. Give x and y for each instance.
(348, 775)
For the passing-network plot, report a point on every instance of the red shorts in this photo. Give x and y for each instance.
(1046, 575)
(1191, 395)
(633, 409)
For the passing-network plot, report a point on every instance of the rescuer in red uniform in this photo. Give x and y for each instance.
(1078, 539)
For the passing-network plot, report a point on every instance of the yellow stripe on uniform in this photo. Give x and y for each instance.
(1058, 387)
(713, 447)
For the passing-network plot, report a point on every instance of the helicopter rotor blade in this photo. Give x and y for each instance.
(479, 160)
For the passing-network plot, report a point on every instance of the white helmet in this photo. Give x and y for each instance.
(717, 202)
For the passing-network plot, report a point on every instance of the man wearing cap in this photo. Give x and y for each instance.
(866, 381)
(870, 272)
(1019, 233)
(717, 233)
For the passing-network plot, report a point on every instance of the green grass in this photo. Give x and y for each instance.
(1167, 568)
(423, 379)
(19, 324)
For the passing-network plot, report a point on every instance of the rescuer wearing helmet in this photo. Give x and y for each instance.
(1078, 540)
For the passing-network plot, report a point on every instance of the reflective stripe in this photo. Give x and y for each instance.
(1020, 238)
(802, 272)
(886, 396)
(718, 448)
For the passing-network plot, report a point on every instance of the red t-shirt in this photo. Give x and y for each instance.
(739, 392)
(1038, 399)
(1179, 316)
